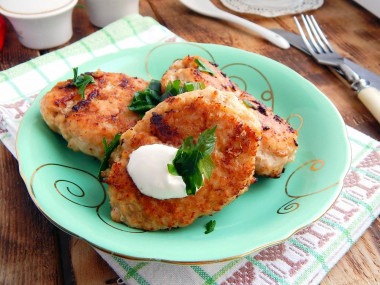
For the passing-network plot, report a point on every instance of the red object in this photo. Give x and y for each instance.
(3, 30)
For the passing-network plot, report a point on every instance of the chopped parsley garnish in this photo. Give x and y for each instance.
(174, 88)
(81, 81)
(108, 149)
(203, 67)
(249, 104)
(145, 100)
(193, 161)
(210, 226)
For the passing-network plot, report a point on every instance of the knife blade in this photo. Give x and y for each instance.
(296, 41)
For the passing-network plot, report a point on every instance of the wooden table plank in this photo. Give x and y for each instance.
(28, 241)
(83, 257)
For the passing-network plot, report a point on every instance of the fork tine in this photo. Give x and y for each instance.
(316, 34)
(310, 34)
(303, 36)
(321, 34)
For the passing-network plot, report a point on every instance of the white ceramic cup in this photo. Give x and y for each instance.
(40, 24)
(104, 12)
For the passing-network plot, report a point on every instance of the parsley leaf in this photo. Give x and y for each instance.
(203, 67)
(174, 88)
(249, 104)
(145, 100)
(108, 149)
(210, 226)
(81, 81)
(191, 161)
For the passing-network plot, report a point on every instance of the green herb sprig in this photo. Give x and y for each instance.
(191, 161)
(145, 100)
(249, 104)
(108, 149)
(210, 226)
(203, 67)
(174, 88)
(81, 81)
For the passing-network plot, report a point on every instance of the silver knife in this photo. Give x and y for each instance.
(296, 41)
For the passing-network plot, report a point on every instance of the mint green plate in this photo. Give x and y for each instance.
(63, 186)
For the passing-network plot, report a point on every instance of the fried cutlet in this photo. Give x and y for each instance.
(279, 140)
(238, 135)
(279, 143)
(83, 122)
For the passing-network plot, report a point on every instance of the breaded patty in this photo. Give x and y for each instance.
(238, 135)
(102, 113)
(279, 140)
(279, 143)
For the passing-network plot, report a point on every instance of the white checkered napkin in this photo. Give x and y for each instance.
(305, 258)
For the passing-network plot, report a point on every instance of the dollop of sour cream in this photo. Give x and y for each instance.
(149, 171)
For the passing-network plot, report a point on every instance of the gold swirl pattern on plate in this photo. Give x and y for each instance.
(241, 80)
(89, 192)
(266, 95)
(315, 165)
(300, 123)
(176, 52)
(103, 213)
(79, 189)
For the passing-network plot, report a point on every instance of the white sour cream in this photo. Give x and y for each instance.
(149, 171)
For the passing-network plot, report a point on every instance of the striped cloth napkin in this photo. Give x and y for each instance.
(305, 258)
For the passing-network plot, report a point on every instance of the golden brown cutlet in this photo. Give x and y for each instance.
(238, 135)
(83, 122)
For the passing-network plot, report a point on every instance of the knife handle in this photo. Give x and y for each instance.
(370, 97)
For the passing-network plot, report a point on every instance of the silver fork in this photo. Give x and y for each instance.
(321, 50)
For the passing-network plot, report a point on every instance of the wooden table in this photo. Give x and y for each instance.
(34, 251)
